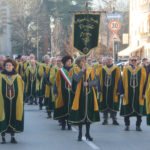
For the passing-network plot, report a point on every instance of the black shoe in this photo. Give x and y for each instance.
(13, 140)
(115, 123)
(80, 138)
(105, 122)
(127, 128)
(3, 140)
(49, 115)
(69, 127)
(88, 137)
(80, 133)
(63, 127)
(60, 122)
(138, 128)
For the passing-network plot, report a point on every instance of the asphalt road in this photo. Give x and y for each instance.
(45, 134)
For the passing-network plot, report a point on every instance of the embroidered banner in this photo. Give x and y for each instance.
(86, 32)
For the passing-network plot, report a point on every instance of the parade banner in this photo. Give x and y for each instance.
(86, 32)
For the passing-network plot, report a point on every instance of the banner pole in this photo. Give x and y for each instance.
(85, 77)
(87, 10)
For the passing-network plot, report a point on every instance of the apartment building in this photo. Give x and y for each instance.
(5, 34)
(139, 29)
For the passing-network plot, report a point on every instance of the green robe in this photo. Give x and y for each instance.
(32, 85)
(83, 106)
(133, 83)
(148, 100)
(51, 80)
(40, 76)
(62, 101)
(109, 78)
(11, 103)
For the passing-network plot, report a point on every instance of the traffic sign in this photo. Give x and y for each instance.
(115, 37)
(114, 25)
(114, 16)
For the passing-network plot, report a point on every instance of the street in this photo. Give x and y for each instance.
(45, 134)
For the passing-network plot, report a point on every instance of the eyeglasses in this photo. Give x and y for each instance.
(133, 60)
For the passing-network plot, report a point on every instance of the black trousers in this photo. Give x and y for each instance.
(65, 121)
(11, 131)
(112, 113)
(33, 100)
(41, 101)
(127, 120)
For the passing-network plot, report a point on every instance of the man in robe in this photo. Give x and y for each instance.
(132, 93)
(109, 77)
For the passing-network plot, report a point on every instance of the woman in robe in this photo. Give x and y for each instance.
(83, 105)
(11, 101)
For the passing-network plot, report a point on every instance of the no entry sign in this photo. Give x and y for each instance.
(114, 25)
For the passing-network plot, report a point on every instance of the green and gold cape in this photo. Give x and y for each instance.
(133, 83)
(63, 99)
(52, 78)
(147, 94)
(11, 103)
(83, 106)
(109, 78)
(32, 84)
(40, 77)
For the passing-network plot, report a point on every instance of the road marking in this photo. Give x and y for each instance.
(91, 144)
(74, 129)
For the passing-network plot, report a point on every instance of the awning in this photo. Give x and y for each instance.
(129, 50)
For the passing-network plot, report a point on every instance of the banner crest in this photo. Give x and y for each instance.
(86, 32)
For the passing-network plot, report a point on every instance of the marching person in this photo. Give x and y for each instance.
(132, 93)
(47, 89)
(31, 81)
(110, 77)
(146, 65)
(19, 64)
(62, 92)
(40, 75)
(11, 101)
(147, 96)
(99, 66)
(83, 106)
(59, 62)
(50, 81)
(2, 59)
(89, 62)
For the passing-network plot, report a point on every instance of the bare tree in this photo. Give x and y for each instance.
(22, 13)
(111, 6)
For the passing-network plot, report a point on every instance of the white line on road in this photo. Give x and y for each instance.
(91, 144)
(74, 129)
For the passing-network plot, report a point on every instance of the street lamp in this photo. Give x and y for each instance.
(37, 36)
(35, 40)
(51, 34)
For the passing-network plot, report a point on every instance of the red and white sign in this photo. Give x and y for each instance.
(115, 37)
(114, 25)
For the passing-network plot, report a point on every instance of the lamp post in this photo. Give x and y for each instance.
(115, 43)
(51, 27)
(37, 41)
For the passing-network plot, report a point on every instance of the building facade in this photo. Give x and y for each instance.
(139, 29)
(5, 30)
